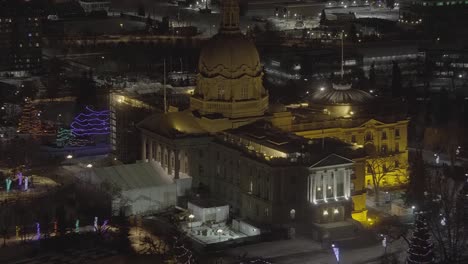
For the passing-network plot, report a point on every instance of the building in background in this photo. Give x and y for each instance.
(20, 38)
(90, 6)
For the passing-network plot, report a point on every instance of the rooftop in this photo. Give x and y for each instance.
(132, 176)
(340, 94)
(265, 143)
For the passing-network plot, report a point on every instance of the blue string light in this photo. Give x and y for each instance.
(91, 122)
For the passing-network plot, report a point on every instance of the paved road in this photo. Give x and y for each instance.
(306, 251)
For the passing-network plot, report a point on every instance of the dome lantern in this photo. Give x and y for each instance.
(229, 80)
(230, 13)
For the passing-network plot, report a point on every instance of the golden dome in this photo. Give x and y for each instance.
(231, 55)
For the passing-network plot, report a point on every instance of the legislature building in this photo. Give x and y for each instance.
(271, 164)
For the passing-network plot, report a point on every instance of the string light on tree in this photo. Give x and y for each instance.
(420, 248)
(91, 122)
(29, 122)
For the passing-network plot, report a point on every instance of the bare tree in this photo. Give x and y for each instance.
(380, 166)
(5, 221)
(448, 216)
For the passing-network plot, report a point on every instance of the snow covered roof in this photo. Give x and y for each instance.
(133, 176)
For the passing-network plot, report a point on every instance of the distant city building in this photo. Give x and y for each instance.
(20, 39)
(90, 6)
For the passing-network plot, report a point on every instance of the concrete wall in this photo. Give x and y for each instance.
(217, 214)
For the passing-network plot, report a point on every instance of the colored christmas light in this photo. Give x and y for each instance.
(91, 122)
(104, 225)
(29, 122)
(8, 182)
(77, 226)
(95, 224)
(63, 137)
(38, 231)
(26, 183)
(20, 178)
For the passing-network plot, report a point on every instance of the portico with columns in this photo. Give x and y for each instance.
(171, 155)
(329, 189)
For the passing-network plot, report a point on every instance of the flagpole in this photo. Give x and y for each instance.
(164, 87)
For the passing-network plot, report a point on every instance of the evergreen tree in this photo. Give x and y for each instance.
(63, 137)
(141, 10)
(411, 93)
(353, 33)
(417, 182)
(443, 107)
(420, 249)
(29, 122)
(323, 17)
(85, 90)
(396, 80)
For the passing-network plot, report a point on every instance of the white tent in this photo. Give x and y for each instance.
(140, 188)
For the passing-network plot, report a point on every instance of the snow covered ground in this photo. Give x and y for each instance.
(210, 235)
(368, 12)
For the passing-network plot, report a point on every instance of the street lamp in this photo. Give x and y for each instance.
(191, 217)
(69, 156)
(89, 165)
(384, 243)
(219, 231)
(336, 251)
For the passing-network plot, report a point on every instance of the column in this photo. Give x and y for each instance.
(334, 185)
(158, 154)
(150, 150)
(324, 186)
(314, 188)
(348, 182)
(165, 158)
(345, 184)
(143, 148)
(177, 164)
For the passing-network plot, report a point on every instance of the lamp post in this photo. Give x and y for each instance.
(336, 252)
(384, 243)
(191, 216)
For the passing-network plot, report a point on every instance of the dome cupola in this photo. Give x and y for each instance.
(229, 80)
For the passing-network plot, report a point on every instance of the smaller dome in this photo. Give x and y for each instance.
(340, 94)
